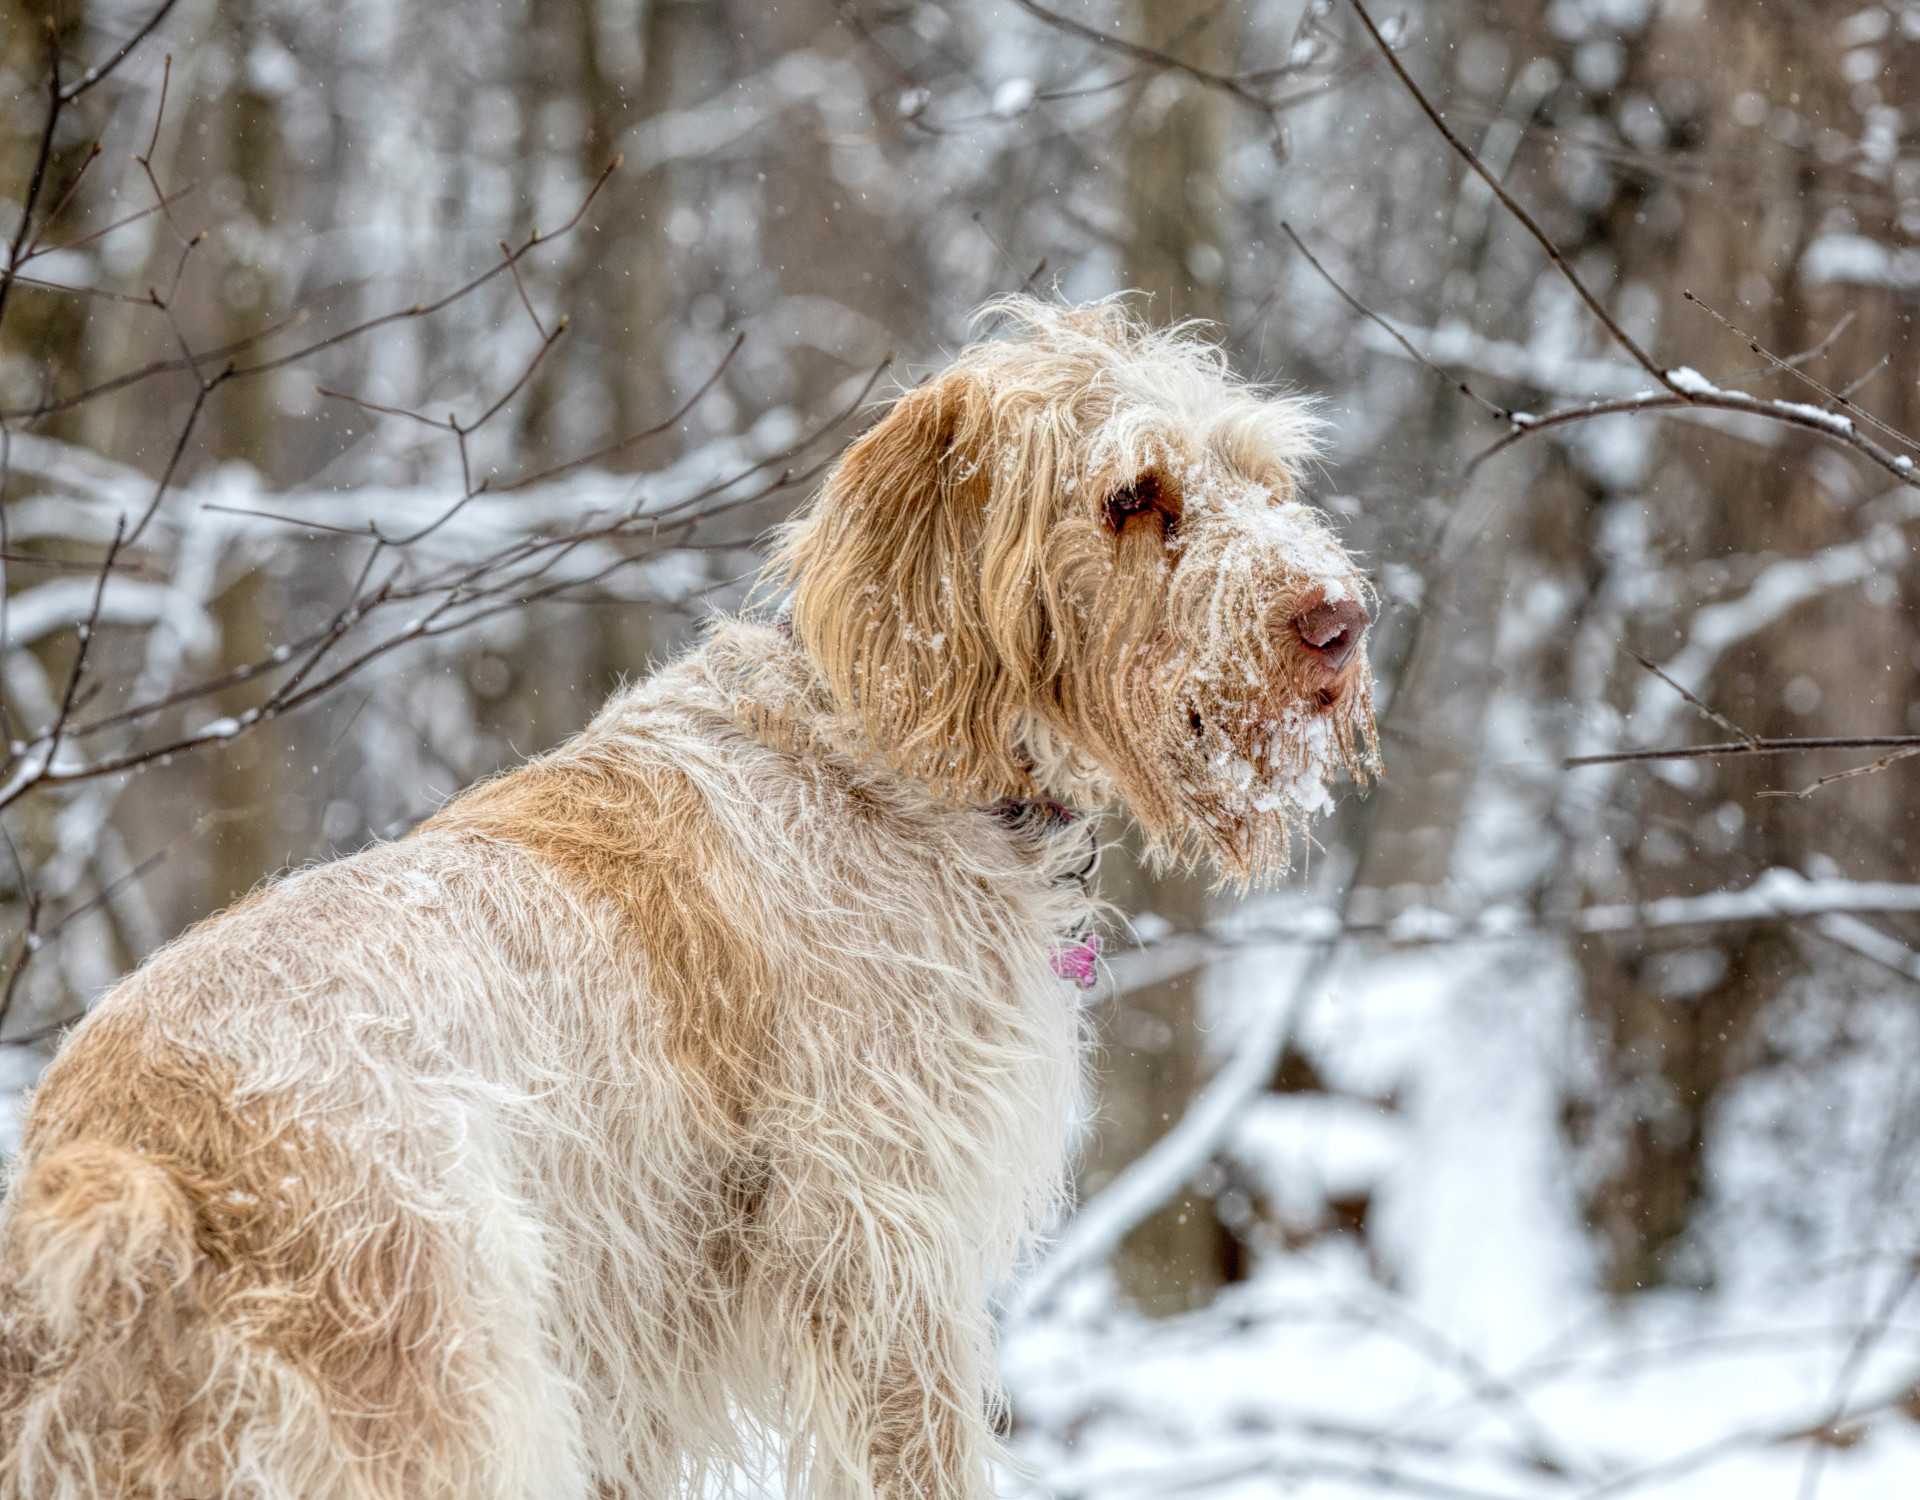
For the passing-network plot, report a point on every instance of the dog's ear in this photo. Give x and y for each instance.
(893, 567)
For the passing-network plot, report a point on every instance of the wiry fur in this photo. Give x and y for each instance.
(696, 1083)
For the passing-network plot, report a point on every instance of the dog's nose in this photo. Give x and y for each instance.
(1332, 629)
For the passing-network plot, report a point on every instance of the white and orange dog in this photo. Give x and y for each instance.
(684, 1096)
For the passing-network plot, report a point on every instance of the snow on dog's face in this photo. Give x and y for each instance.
(1073, 565)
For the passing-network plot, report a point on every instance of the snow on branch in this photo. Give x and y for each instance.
(1870, 942)
(1775, 894)
(67, 603)
(1680, 388)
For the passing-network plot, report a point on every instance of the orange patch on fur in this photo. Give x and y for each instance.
(631, 829)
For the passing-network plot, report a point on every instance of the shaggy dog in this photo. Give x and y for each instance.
(683, 1096)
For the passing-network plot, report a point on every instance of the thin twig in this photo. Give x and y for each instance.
(6, 583)
(72, 565)
(1226, 83)
(1752, 740)
(439, 424)
(1803, 357)
(1852, 386)
(1849, 1375)
(1754, 747)
(427, 309)
(513, 390)
(1866, 770)
(1164, 60)
(666, 424)
(43, 155)
(1832, 427)
(509, 579)
(160, 110)
(34, 941)
(1366, 312)
(417, 310)
(29, 945)
(59, 207)
(152, 208)
(206, 388)
(521, 287)
(39, 762)
(104, 293)
(1837, 398)
(99, 71)
(1512, 205)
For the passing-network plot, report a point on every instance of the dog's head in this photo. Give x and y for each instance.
(1074, 565)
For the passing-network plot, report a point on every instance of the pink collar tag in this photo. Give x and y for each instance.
(1078, 959)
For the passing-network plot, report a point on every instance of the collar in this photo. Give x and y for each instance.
(1073, 955)
(1038, 815)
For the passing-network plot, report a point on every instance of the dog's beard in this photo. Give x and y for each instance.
(1274, 766)
(1249, 727)
(1251, 769)
(1224, 757)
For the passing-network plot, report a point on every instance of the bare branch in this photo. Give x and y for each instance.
(513, 390)
(1752, 740)
(1243, 87)
(1512, 205)
(1866, 770)
(1853, 387)
(1836, 398)
(1745, 747)
(159, 207)
(1225, 83)
(427, 309)
(33, 245)
(521, 287)
(510, 578)
(1704, 396)
(159, 113)
(100, 71)
(205, 389)
(43, 155)
(1366, 312)
(666, 424)
(1803, 357)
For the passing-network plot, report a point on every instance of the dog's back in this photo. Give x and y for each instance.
(504, 1160)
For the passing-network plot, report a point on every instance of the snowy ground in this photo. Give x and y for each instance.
(1312, 1380)
(1470, 1356)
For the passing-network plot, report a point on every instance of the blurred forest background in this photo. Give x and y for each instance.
(1554, 1132)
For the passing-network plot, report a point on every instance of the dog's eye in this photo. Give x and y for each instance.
(1144, 503)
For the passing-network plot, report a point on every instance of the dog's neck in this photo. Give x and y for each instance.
(775, 696)
(784, 694)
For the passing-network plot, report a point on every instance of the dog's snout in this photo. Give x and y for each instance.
(1331, 630)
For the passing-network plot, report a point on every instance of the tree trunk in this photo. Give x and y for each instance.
(1152, 1052)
